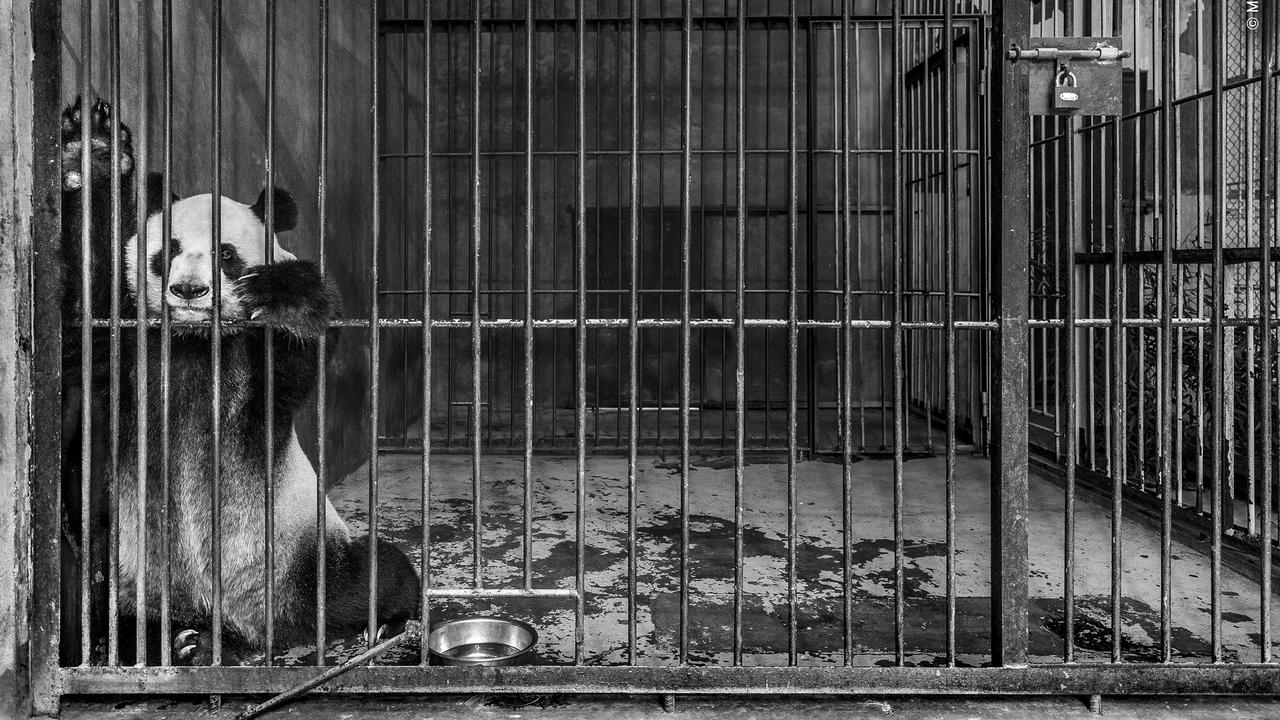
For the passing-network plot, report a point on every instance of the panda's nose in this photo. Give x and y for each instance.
(189, 291)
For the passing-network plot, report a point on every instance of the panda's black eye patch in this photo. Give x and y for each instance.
(158, 265)
(232, 264)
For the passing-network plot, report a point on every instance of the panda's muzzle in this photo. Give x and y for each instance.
(189, 291)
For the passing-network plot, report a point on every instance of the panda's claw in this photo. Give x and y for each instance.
(382, 633)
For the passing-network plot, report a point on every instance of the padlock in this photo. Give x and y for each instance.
(1066, 92)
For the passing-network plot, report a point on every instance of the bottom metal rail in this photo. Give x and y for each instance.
(1056, 679)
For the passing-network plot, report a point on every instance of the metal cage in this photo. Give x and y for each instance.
(812, 265)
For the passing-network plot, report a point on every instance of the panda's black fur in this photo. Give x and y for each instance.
(291, 298)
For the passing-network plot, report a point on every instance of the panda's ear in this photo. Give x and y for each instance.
(155, 193)
(283, 207)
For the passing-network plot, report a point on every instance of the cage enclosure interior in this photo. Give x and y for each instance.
(689, 334)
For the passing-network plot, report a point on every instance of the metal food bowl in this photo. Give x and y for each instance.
(481, 640)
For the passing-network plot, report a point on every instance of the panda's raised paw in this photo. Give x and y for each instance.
(100, 119)
(290, 296)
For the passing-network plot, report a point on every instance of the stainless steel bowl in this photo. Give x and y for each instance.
(481, 640)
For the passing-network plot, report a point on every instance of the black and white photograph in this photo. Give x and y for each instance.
(548, 359)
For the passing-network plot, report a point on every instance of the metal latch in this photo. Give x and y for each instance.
(1102, 52)
(1093, 85)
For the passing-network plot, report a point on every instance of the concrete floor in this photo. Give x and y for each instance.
(819, 567)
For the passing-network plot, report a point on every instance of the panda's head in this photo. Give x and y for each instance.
(241, 244)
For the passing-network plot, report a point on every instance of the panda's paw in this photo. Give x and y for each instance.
(190, 648)
(100, 122)
(290, 296)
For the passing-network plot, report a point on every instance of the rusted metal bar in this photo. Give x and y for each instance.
(215, 345)
(686, 221)
(424, 569)
(1037, 679)
(322, 349)
(949, 314)
(845, 109)
(375, 360)
(580, 366)
(50, 615)
(268, 337)
(114, 362)
(740, 328)
(1267, 151)
(1010, 131)
(141, 400)
(1071, 401)
(1218, 410)
(633, 337)
(529, 39)
(477, 521)
(412, 633)
(86, 330)
(897, 340)
(166, 332)
(793, 340)
(1169, 401)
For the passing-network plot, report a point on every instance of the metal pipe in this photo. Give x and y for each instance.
(686, 200)
(375, 363)
(215, 345)
(427, 355)
(322, 349)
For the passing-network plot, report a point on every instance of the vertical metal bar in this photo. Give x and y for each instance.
(322, 349)
(268, 336)
(686, 195)
(633, 331)
(740, 330)
(845, 109)
(1071, 398)
(1011, 208)
(529, 35)
(142, 333)
(49, 340)
(1266, 144)
(949, 312)
(166, 232)
(580, 383)
(113, 418)
(899, 379)
(476, 522)
(215, 346)
(1218, 331)
(477, 525)
(1167, 400)
(1119, 434)
(793, 340)
(86, 326)
(424, 655)
(371, 632)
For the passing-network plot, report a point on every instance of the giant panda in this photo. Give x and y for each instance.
(289, 298)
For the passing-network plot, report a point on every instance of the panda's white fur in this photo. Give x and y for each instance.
(243, 512)
(192, 225)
